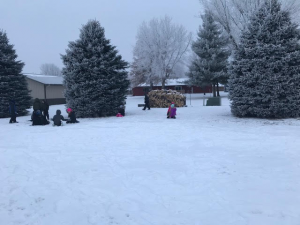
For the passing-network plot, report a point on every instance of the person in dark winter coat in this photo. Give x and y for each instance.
(147, 105)
(45, 108)
(122, 110)
(13, 112)
(37, 118)
(72, 116)
(37, 105)
(58, 118)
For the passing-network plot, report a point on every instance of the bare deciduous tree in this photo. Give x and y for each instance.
(160, 50)
(50, 69)
(234, 15)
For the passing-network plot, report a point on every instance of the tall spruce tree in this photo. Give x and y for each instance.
(13, 85)
(211, 55)
(95, 75)
(265, 80)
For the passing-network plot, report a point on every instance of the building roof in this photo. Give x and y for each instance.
(169, 82)
(45, 79)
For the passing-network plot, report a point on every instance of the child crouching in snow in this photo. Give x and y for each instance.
(122, 110)
(38, 119)
(171, 111)
(72, 116)
(58, 118)
(119, 115)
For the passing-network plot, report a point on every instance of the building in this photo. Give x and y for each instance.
(174, 84)
(46, 87)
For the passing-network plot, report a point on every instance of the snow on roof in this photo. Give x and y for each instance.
(169, 82)
(45, 79)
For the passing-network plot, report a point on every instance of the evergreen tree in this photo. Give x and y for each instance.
(265, 80)
(13, 85)
(211, 55)
(95, 75)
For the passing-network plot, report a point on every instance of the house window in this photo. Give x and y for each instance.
(178, 88)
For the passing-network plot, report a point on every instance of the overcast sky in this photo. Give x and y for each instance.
(41, 29)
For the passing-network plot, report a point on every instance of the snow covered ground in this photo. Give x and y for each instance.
(204, 168)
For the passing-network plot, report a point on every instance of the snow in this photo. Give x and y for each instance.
(205, 167)
(46, 79)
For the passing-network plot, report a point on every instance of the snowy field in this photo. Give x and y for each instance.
(204, 168)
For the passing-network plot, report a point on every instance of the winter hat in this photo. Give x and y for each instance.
(69, 110)
(58, 112)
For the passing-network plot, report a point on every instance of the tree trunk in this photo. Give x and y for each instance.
(151, 85)
(235, 45)
(163, 82)
(214, 90)
(218, 92)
